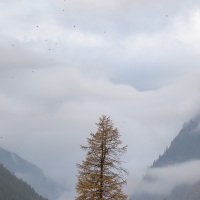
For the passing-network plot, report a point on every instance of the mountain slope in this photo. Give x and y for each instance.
(14, 189)
(173, 176)
(31, 174)
(185, 192)
(184, 147)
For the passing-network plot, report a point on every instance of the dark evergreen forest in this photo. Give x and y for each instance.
(12, 188)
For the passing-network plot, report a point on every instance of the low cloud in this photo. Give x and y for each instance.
(162, 181)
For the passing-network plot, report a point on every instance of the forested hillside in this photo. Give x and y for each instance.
(175, 175)
(31, 174)
(12, 188)
(184, 147)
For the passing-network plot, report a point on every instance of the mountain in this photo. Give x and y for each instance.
(30, 173)
(175, 175)
(12, 188)
(184, 147)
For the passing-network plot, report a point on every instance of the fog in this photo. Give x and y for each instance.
(162, 181)
(63, 64)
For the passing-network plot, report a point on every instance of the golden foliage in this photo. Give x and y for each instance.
(100, 176)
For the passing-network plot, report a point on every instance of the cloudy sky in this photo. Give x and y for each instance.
(65, 63)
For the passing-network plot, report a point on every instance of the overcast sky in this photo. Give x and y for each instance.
(65, 63)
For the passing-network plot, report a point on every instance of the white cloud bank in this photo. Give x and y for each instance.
(164, 180)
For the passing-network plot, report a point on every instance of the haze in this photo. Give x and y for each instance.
(63, 64)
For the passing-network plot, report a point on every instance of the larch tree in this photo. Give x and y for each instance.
(100, 176)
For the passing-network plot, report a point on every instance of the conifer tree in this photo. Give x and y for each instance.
(100, 176)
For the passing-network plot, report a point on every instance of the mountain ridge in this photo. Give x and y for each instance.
(184, 149)
(31, 174)
(12, 188)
